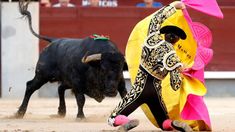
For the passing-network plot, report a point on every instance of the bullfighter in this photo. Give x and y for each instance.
(158, 58)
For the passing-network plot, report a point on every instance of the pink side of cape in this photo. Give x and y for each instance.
(209, 7)
(195, 108)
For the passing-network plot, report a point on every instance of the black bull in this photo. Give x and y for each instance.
(87, 66)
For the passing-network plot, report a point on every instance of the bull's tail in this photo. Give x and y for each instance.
(23, 6)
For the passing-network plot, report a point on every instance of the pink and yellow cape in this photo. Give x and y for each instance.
(187, 103)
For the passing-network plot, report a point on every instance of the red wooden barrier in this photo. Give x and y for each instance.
(118, 23)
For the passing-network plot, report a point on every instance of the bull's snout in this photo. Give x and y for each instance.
(111, 88)
(99, 99)
(110, 93)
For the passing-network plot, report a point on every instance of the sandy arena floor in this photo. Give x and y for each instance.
(38, 116)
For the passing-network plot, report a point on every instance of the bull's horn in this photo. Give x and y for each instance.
(89, 58)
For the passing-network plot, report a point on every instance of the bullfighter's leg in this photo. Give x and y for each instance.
(129, 103)
(62, 105)
(32, 86)
(154, 100)
(150, 94)
(120, 118)
(157, 107)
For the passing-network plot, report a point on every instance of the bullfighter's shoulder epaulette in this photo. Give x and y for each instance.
(99, 37)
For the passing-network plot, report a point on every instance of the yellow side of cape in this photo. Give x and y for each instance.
(185, 49)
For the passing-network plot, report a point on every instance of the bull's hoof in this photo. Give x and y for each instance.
(61, 113)
(81, 119)
(19, 115)
(80, 116)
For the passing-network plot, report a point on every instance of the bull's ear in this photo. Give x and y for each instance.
(94, 57)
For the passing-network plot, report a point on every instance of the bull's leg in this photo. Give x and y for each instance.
(32, 86)
(80, 98)
(62, 106)
(122, 88)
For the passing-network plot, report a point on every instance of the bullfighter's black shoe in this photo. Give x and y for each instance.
(181, 126)
(128, 126)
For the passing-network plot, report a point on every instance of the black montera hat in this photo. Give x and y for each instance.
(173, 29)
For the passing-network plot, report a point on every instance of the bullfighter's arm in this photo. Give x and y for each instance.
(175, 79)
(173, 65)
(162, 14)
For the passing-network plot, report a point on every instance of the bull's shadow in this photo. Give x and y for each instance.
(90, 66)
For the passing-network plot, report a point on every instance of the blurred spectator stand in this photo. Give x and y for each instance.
(45, 3)
(63, 3)
(101, 3)
(149, 3)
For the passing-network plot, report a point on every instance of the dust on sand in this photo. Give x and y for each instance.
(39, 116)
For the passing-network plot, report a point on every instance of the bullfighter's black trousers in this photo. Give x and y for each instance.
(148, 91)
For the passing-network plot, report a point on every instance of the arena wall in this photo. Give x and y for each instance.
(19, 49)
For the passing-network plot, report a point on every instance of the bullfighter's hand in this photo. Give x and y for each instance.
(178, 5)
(183, 68)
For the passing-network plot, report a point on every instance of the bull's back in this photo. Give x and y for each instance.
(82, 46)
(58, 56)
